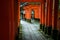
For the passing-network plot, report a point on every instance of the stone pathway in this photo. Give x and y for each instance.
(30, 31)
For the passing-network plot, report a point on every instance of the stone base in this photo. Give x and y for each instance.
(55, 34)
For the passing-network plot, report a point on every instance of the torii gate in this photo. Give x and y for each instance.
(10, 17)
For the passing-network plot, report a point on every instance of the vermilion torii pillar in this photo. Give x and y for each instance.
(40, 9)
(43, 15)
(18, 14)
(46, 15)
(54, 19)
(49, 25)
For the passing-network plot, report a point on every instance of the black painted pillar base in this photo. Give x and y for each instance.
(28, 20)
(59, 36)
(45, 30)
(55, 34)
(40, 26)
(25, 19)
(17, 35)
(49, 30)
(43, 27)
(36, 19)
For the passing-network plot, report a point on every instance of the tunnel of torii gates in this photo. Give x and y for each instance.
(47, 12)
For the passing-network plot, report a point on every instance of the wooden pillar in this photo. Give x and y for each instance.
(49, 28)
(4, 19)
(54, 20)
(11, 21)
(16, 16)
(18, 13)
(58, 24)
(40, 15)
(43, 16)
(46, 15)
